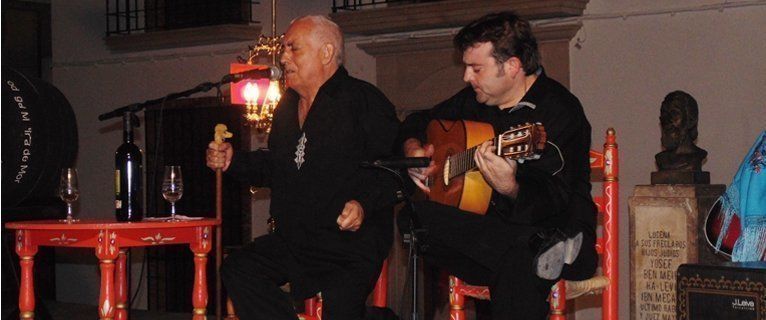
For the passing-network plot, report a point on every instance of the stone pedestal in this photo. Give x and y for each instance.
(680, 177)
(665, 231)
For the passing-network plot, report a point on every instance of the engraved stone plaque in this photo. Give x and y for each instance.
(665, 225)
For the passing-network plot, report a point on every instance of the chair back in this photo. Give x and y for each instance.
(605, 165)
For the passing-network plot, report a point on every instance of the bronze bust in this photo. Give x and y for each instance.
(678, 118)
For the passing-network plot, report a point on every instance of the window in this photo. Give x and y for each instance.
(141, 16)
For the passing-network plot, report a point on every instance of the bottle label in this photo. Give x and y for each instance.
(118, 204)
(117, 182)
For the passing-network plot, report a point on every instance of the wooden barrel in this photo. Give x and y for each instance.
(39, 138)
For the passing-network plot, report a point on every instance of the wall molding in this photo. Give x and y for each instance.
(188, 37)
(449, 13)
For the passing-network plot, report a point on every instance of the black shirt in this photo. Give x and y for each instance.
(350, 121)
(552, 193)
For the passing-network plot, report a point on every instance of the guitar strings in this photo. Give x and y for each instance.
(464, 161)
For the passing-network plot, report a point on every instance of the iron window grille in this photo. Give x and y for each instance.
(140, 16)
(353, 5)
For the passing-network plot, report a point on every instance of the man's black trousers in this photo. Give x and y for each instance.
(253, 275)
(483, 250)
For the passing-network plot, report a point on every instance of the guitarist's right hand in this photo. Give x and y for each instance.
(413, 148)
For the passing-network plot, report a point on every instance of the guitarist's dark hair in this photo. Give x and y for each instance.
(510, 36)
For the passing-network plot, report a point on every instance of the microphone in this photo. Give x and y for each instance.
(273, 73)
(400, 163)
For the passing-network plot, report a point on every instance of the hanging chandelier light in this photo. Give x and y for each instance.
(259, 96)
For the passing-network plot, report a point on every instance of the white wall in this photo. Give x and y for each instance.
(621, 71)
(625, 67)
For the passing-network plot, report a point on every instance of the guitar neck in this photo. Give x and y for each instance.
(520, 143)
(463, 161)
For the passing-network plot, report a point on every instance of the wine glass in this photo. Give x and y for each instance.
(172, 188)
(68, 191)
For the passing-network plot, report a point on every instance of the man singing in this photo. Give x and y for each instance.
(333, 218)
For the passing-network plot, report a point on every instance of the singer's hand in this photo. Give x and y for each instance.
(413, 148)
(219, 155)
(352, 216)
(500, 173)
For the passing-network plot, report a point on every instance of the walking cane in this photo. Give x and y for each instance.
(220, 135)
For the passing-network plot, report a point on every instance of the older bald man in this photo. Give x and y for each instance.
(334, 218)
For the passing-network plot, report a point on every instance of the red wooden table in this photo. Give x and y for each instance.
(110, 239)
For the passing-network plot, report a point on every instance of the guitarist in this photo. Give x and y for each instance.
(541, 216)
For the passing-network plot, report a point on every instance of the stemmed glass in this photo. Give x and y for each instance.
(172, 188)
(68, 191)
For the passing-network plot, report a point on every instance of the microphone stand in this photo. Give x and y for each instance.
(414, 248)
(135, 107)
(410, 238)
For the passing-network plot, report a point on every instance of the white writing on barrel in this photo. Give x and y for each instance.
(26, 152)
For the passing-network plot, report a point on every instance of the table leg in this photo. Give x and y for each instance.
(26, 251)
(27, 289)
(121, 287)
(106, 298)
(107, 250)
(200, 247)
(199, 292)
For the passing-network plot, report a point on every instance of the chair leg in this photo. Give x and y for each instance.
(456, 300)
(457, 314)
(380, 292)
(558, 301)
(230, 313)
(312, 309)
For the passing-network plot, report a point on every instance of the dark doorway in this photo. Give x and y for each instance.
(178, 134)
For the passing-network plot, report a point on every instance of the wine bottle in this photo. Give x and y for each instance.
(128, 172)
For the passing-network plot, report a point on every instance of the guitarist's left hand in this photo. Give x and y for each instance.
(499, 172)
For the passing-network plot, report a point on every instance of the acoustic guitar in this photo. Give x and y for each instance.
(455, 182)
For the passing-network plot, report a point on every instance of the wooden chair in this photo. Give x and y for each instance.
(606, 162)
(313, 306)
